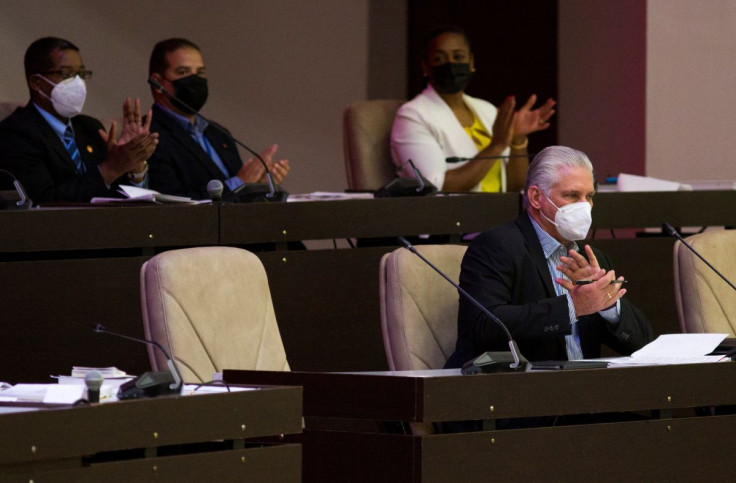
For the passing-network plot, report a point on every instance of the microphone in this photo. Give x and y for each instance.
(214, 189)
(149, 384)
(456, 159)
(24, 202)
(489, 361)
(416, 186)
(672, 232)
(247, 192)
(93, 381)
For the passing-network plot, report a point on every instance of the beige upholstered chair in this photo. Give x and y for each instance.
(367, 143)
(419, 307)
(210, 307)
(7, 108)
(705, 303)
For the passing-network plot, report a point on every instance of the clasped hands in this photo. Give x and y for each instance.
(136, 144)
(594, 297)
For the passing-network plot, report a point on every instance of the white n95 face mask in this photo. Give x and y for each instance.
(572, 220)
(67, 96)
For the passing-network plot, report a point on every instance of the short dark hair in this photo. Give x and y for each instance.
(38, 55)
(158, 63)
(446, 29)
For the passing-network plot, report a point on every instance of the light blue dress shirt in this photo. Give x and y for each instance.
(553, 250)
(196, 131)
(59, 128)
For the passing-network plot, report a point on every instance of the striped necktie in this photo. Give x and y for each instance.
(572, 341)
(71, 147)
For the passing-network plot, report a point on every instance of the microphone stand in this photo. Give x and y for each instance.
(672, 232)
(416, 186)
(489, 361)
(504, 157)
(418, 177)
(24, 202)
(273, 194)
(149, 384)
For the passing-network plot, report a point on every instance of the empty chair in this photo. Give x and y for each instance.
(367, 143)
(419, 307)
(705, 303)
(211, 308)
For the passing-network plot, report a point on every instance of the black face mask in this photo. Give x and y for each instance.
(192, 91)
(451, 77)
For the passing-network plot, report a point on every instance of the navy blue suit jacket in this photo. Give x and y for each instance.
(180, 166)
(33, 152)
(505, 270)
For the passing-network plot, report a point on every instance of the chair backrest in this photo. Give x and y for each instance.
(7, 108)
(704, 302)
(211, 308)
(367, 143)
(418, 306)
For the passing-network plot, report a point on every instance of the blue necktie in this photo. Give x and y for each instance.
(71, 147)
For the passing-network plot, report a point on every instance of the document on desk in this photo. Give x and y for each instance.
(675, 349)
(329, 196)
(25, 392)
(135, 194)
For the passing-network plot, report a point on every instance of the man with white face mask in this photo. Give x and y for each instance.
(525, 273)
(59, 154)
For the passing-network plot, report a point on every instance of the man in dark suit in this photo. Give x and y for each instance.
(191, 152)
(525, 273)
(59, 154)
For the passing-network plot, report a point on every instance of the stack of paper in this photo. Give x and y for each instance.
(135, 194)
(106, 372)
(329, 196)
(675, 349)
(632, 182)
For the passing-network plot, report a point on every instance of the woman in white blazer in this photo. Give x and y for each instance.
(443, 129)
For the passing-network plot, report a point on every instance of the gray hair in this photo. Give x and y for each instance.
(544, 170)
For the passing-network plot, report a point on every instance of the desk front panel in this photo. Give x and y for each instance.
(656, 447)
(448, 396)
(149, 423)
(386, 217)
(215, 437)
(687, 449)
(651, 209)
(108, 228)
(265, 464)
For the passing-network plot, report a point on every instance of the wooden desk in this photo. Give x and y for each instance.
(651, 209)
(383, 217)
(63, 271)
(32, 232)
(188, 438)
(678, 445)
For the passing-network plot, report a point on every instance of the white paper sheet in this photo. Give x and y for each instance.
(675, 349)
(63, 393)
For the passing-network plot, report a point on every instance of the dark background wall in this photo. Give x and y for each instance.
(514, 44)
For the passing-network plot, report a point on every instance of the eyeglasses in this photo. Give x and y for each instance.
(69, 73)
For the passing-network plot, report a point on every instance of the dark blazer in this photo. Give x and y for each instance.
(179, 166)
(33, 152)
(505, 270)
